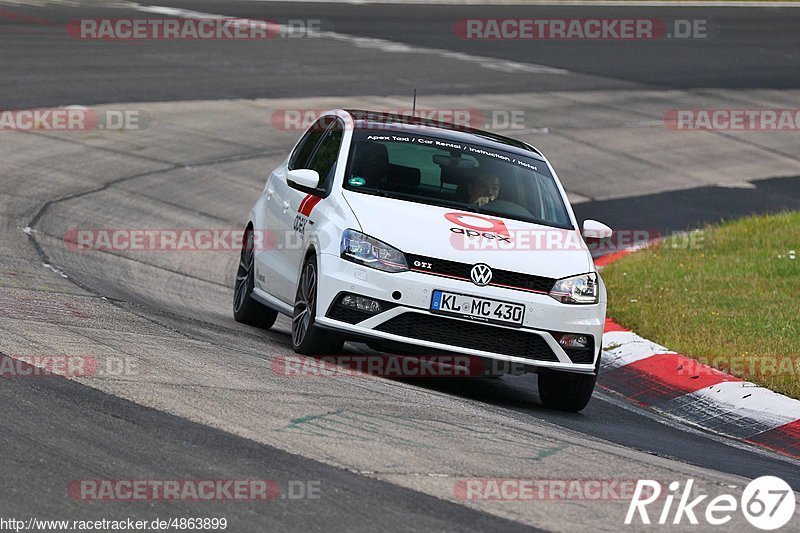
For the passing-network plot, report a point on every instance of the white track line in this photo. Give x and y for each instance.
(378, 44)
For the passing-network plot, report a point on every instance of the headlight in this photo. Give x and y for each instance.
(581, 289)
(371, 252)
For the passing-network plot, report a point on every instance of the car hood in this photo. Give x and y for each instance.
(456, 235)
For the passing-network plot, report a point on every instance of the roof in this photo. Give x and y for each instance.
(387, 121)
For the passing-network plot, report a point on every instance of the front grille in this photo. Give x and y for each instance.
(500, 278)
(469, 335)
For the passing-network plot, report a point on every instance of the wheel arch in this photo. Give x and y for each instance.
(311, 251)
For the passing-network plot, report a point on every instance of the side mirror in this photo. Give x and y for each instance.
(302, 179)
(593, 229)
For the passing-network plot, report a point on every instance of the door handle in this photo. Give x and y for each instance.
(285, 205)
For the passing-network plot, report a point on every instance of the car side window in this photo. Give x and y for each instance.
(305, 148)
(324, 159)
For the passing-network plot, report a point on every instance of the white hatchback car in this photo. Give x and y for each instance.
(400, 231)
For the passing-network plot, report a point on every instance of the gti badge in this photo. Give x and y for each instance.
(481, 274)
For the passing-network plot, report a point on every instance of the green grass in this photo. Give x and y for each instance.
(728, 296)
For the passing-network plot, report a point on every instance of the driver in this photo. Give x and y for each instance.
(484, 189)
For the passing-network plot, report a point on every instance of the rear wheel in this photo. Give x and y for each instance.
(307, 337)
(567, 391)
(245, 309)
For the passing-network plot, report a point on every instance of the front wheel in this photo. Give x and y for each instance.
(307, 337)
(566, 391)
(245, 309)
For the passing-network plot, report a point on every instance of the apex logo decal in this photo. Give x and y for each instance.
(300, 224)
(479, 225)
(481, 274)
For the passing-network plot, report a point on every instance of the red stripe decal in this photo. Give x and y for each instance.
(308, 205)
(662, 377)
(303, 203)
(783, 439)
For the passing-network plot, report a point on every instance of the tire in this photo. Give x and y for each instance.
(307, 337)
(245, 308)
(567, 391)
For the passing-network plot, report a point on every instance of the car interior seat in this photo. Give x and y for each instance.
(370, 161)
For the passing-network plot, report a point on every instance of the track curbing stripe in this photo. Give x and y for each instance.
(784, 439)
(652, 376)
(662, 377)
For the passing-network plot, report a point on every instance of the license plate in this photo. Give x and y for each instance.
(479, 309)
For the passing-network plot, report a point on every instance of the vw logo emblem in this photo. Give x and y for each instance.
(481, 274)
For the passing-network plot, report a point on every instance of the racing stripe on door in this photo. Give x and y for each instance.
(303, 203)
(308, 204)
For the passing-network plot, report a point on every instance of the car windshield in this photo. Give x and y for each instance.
(436, 171)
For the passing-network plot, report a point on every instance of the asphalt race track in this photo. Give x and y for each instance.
(199, 397)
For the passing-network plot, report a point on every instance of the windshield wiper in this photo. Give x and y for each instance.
(374, 192)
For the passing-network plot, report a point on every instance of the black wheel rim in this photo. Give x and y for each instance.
(304, 304)
(243, 274)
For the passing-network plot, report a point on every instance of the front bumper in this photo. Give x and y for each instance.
(409, 321)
